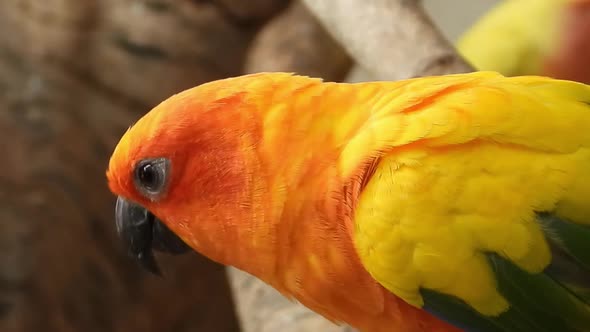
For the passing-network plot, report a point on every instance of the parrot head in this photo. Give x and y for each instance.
(189, 159)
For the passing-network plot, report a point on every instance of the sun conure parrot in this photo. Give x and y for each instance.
(532, 37)
(448, 203)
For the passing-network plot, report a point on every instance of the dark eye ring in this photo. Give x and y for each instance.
(151, 177)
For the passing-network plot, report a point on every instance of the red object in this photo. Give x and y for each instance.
(571, 60)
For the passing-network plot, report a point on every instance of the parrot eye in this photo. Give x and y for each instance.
(151, 177)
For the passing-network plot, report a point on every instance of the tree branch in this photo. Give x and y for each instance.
(390, 39)
(260, 308)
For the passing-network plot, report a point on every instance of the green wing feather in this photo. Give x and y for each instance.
(555, 300)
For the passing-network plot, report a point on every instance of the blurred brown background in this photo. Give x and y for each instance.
(73, 76)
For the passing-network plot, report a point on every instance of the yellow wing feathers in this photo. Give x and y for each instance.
(464, 174)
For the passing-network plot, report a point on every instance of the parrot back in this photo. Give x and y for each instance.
(479, 211)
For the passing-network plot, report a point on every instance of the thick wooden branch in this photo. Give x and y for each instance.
(390, 39)
(295, 41)
(260, 308)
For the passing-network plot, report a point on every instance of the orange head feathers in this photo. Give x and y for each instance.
(195, 129)
(190, 157)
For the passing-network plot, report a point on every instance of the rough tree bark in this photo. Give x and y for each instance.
(390, 39)
(73, 76)
(295, 41)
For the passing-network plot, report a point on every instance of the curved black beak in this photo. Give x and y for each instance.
(142, 233)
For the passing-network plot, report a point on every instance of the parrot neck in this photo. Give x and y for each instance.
(308, 240)
(296, 213)
(283, 236)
